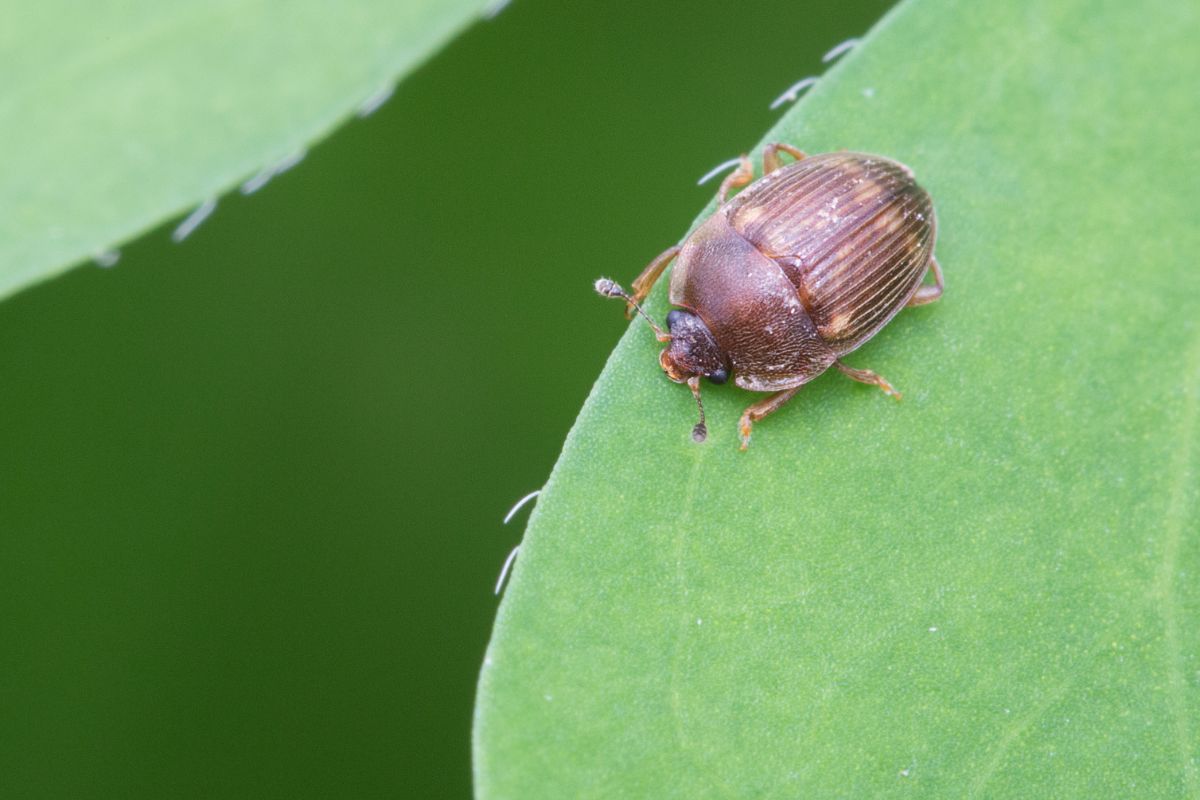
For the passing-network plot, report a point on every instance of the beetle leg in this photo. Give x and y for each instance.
(927, 294)
(761, 409)
(643, 283)
(771, 155)
(739, 177)
(867, 376)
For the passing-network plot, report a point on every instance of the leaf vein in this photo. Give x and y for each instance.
(1165, 588)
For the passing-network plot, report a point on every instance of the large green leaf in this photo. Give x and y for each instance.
(989, 589)
(117, 115)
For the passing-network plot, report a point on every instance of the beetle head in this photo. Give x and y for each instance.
(693, 351)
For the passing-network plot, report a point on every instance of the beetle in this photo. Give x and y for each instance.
(795, 271)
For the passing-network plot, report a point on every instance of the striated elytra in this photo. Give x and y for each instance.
(797, 270)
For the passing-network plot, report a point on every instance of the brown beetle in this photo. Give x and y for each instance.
(793, 273)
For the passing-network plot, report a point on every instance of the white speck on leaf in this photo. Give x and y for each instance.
(508, 562)
(193, 220)
(369, 106)
(793, 91)
(718, 169)
(264, 175)
(290, 161)
(838, 50)
(108, 258)
(493, 10)
(520, 504)
(260, 180)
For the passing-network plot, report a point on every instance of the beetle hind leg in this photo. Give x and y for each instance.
(867, 376)
(927, 294)
(762, 408)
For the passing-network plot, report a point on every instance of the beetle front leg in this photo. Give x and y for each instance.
(867, 376)
(771, 155)
(761, 409)
(643, 283)
(927, 294)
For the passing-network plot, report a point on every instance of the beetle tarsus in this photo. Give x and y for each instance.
(927, 294)
(770, 156)
(757, 411)
(744, 431)
(738, 178)
(718, 169)
(869, 377)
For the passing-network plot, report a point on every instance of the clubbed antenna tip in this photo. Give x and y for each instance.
(700, 431)
(607, 287)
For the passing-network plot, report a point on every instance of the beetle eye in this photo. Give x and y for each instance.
(719, 376)
(673, 317)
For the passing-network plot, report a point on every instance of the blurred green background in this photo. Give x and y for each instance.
(251, 485)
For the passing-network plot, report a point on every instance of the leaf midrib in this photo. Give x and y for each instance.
(1164, 589)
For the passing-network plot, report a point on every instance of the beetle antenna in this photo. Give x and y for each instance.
(606, 287)
(700, 431)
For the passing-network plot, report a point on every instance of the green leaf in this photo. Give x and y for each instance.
(990, 589)
(118, 115)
